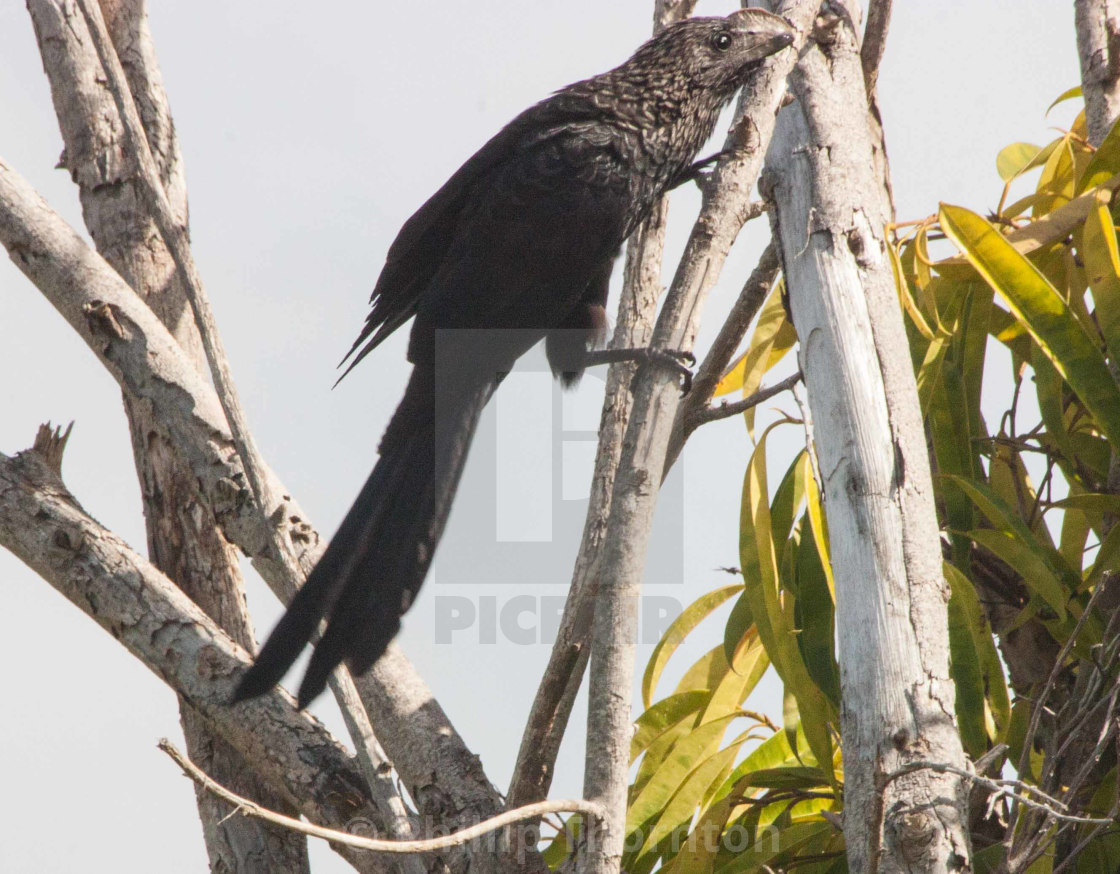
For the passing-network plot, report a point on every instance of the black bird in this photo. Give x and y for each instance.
(516, 247)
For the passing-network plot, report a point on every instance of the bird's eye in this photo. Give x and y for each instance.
(722, 41)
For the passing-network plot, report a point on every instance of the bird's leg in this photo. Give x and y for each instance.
(695, 172)
(676, 360)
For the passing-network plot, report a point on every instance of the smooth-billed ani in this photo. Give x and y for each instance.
(517, 246)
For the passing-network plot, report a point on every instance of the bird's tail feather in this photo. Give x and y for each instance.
(370, 573)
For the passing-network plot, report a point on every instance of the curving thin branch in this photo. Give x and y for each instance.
(427, 845)
(734, 408)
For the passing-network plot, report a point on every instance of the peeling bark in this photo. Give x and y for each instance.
(824, 175)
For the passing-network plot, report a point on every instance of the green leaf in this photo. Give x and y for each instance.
(686, 754)
(814, 512)
(664, 715)
(1043, 569)
(739, 624)
(748, 664)
(1014, 159)
(1108, 558)
(675, 634)
(1039, 578)
(976, 667)
(1075, 532)
(1047, 316)
(1105, 162)
(792, 777)
(685, 801)
(773, 847)
(1101, 256)
(1092, 502)
(1049, 389)
(816, 619)
(760, 573)
(1069, 94)
(699, 852)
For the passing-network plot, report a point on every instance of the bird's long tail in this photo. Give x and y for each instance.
(370, 573)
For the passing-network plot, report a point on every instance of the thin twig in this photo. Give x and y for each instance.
(456, 839)
(1005, 788)
(726, 410)
(1040, 701)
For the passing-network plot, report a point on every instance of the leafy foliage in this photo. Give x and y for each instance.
(1027, 296)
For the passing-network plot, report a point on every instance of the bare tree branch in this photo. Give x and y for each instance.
(734, 408)
(172, 227)
(1021, 792)
(444, 778)
(644, 450)
(42, 524)
(637, 306)
(334, 836)
(548, 718)
(183, 538)
(874, 41)
(1098, 47)
(832, 208)
(730, 335)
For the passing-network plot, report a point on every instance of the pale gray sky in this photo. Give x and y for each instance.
(308, 140)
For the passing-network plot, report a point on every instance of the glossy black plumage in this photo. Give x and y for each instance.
(518, 246)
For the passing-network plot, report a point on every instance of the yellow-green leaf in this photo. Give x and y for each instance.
(1049, 319)
(692, 616)
(1014, 159)
(686, 754)
(685, 801)
(663, 715)
(1069, 94)
(760, 572)
(1101, 256)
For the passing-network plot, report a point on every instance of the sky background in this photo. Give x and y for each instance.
(308, 140)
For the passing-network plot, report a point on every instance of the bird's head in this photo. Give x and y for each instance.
(717, 54)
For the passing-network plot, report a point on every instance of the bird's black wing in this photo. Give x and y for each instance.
(421, 245)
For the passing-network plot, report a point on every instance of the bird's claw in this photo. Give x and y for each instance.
(677, 360)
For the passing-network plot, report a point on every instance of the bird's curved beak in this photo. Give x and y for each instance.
(766, 33)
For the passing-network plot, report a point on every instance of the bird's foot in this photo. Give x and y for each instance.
(677, 360)
(698, 171)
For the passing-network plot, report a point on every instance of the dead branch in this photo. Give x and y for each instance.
(730, 335)
(334, 836)
(644, 451)
(142, 356)
(43, 525)
(874, 41)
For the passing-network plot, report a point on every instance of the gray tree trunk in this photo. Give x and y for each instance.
(184, 540)
(1098, 46)
(826, 175)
